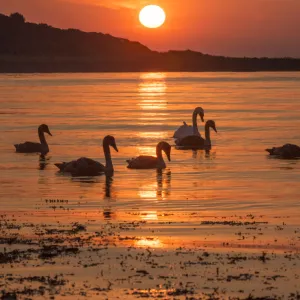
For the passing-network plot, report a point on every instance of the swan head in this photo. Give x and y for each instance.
(271, 151)
(110, 140)
(199, 111)
(164, 146)
(211, 124)
(44, 128)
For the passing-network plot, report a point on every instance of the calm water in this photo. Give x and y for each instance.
(252, 111)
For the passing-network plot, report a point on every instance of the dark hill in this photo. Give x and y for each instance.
(29, 47)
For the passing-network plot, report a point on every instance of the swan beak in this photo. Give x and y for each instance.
(115, 147)
(269, 150)
(48, 131)
(202, 118)
(215, 129)
(169, 157)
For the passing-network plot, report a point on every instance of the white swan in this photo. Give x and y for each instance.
(186, 130)
(30, 147)
(88, 167)
(151, 162)
(197, 142)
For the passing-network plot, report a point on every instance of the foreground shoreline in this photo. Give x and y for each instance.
(89, 256)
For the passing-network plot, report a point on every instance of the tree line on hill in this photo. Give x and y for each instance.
(30, 47)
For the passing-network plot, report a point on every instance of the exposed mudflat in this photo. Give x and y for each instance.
(79, 256)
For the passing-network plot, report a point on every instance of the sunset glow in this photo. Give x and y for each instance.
(150, 149)
(152, 16)
(242, 28)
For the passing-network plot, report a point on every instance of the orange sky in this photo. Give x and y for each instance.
(226, 27)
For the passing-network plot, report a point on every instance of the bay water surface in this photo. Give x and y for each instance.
(252, 111)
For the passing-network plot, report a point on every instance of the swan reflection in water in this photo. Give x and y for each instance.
(163, 184)
(108, 192)
(108, 213)
(205, 153)
(160, 190)
(43, 162)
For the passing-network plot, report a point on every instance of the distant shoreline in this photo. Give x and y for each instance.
(27, 64)
(40, 48)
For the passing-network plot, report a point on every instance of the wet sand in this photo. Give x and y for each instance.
(76, 255)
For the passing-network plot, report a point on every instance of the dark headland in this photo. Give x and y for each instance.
(29, 47)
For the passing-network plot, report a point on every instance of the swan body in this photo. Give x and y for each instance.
(88, 167)
(187, 130)
(82, 165)
(197, 142)
(285, 151)
(151, 162)
(30, 147)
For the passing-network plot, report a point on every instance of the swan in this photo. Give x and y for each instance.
(88, 167)
(151, 162)
(30, 147)
(285, 151)
(197, 142)
(186, 130)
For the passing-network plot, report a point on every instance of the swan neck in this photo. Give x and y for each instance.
(159, 153)
(42, 136)
(207, 134)
(160, 160)
(108, 161)
(195, 125)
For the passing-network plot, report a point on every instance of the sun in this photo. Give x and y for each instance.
(152, 16)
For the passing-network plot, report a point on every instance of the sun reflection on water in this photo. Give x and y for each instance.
(145, 150)
(152, 91)
(158, 190)
(153, 76)
(149, 242)
(149, 215)
(153, 135)
(148, 191)
(153, 107)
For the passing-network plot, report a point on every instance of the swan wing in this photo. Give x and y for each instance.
(90, 163)
(190, 142)
(183, 131)
(67, 167)
(88, 167)
(81, 165)
(28, 147)
(143, 162)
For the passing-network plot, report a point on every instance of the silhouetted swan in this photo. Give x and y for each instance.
(151, 162)
(285, 151)
(30, 147)
(186, 130)
(197, 142)
(88, 167)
